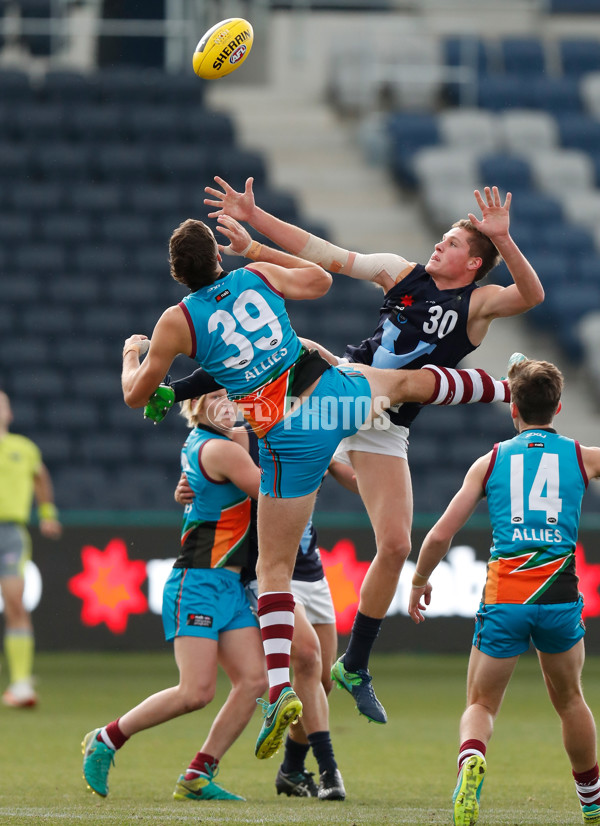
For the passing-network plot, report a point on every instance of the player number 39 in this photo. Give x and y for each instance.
(265, 317)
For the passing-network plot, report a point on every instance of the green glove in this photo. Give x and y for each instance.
(159, 404)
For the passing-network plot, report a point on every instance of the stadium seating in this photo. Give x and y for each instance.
(579, 56)
(526, 131)
(523, 56)
(574, 6)
(534, 131)
(96, 171)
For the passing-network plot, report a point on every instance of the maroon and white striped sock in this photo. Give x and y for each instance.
(112, 736)
(453, 386)
(468, 749)
(587, 785)
(276, 618)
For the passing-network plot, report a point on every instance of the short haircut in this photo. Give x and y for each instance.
(535, 388)
(191, 412)
(480, 246)
(193, 255)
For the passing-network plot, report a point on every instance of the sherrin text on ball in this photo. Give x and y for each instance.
(223, 48)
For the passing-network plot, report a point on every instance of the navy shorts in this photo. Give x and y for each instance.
(506, 629)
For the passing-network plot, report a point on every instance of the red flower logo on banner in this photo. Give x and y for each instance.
(345, 575)
(589, 580)
(109, 586)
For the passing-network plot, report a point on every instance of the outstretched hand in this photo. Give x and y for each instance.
(415, 605)
(239, 205)
(239, 238)
(495, 218)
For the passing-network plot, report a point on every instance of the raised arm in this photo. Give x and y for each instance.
(295, 278)
(437, 542)
(242, 207)
(493, 301)
(384, 269)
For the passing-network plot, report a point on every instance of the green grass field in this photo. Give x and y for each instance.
(401, 773)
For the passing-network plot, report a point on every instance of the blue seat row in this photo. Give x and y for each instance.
(524, 55)
(38, 123)
(125, 85)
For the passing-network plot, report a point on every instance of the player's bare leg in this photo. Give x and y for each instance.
(432, 385)
(281, 523)
(385, 488)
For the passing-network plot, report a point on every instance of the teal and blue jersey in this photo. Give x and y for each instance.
(534, 486)
(241, 333)
(216, 524)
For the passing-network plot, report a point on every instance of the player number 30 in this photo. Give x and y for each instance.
(443, 322)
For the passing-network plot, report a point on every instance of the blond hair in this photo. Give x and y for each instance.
(535, 388)
(191, 409)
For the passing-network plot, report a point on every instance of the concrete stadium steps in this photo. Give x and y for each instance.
(315, 154)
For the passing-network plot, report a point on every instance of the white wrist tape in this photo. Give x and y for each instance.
(354, 264)
(329, 256)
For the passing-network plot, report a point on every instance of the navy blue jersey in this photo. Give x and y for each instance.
(308, 567)
(418, 324)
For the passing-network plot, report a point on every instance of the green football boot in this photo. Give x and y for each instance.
(278, 716)
(468, 790)
(591, 813)
(358, 684)
(202, 787)
(97, 760)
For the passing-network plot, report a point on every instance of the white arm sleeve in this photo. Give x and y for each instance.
(354, 264)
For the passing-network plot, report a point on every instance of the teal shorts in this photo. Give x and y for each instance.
(204, 602)
(296, 452)
(505, 630)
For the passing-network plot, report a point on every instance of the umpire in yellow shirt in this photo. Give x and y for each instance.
(22, 475)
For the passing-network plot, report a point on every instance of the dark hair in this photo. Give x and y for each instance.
(480, 246)
(535, 388)
(193, 255)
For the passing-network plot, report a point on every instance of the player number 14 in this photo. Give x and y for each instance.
(543, 495)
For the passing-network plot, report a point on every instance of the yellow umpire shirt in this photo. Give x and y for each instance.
(20, 460)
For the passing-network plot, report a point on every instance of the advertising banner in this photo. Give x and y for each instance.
(100, 587)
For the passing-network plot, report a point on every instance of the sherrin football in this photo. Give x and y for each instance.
(223, 48)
